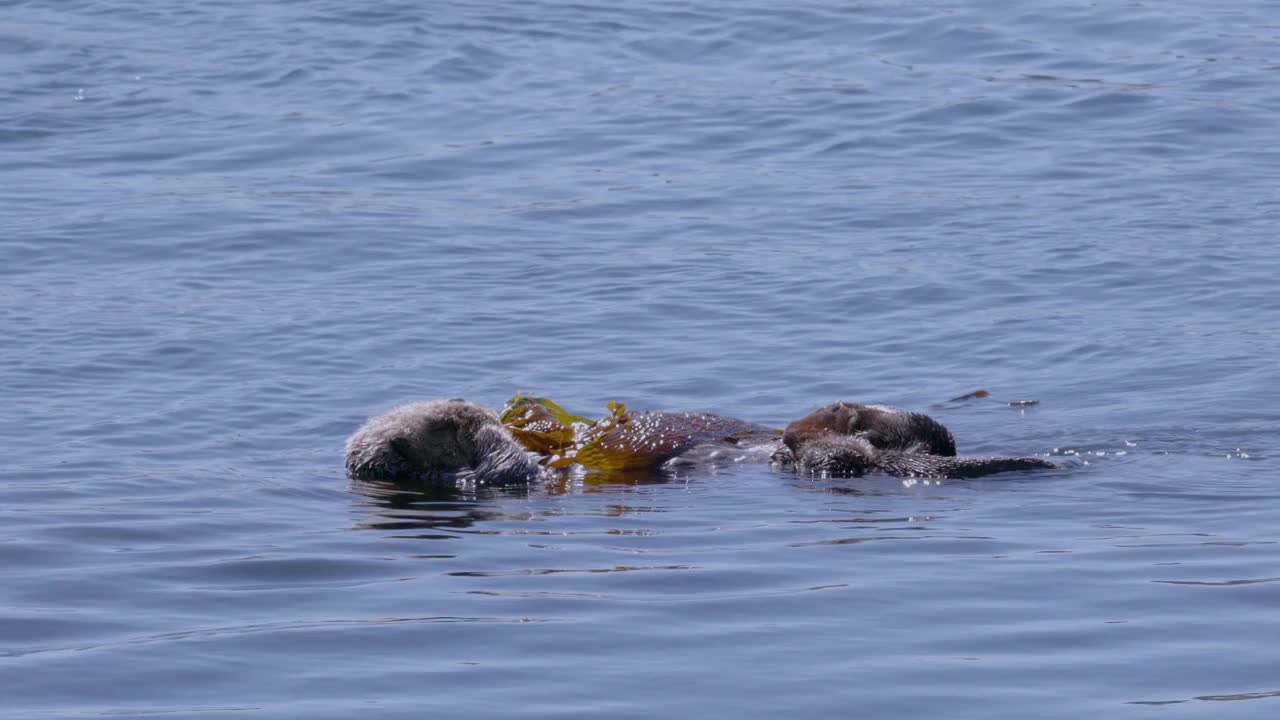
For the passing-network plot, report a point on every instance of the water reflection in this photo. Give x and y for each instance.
(392, 505)
(456, 509)
(422, 506)
(1213, 698)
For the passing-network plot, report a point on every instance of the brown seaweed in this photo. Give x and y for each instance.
(623, 440)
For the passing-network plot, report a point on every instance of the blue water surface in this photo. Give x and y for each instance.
(231, 231)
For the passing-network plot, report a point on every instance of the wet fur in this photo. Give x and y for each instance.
(854, 455)
(887, 428)
(439, 439)
(848, 439)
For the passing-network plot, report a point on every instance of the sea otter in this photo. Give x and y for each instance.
(848, 439)
(456, 438)
(440, 438)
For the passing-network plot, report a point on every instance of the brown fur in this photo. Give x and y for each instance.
(886, 428)
(851, 439)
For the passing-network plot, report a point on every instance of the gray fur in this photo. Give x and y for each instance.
(439, 439)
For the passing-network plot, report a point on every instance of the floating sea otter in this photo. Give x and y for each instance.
(535, 437)
(440, 438)
(848, 439)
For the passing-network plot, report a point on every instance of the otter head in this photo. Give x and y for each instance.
(838, 456)
(423, 438)
(838, 418)
(441, 436)
(437, 439)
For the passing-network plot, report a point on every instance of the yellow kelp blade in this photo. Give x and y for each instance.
(633, 441)
(543, 407)
(543, 426)
(625, 440)
(543, 442)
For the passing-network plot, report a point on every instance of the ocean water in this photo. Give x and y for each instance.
(231, 231)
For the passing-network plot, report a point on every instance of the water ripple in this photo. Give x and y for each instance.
(235, 230)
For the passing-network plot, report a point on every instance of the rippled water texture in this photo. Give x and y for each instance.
(231, 231)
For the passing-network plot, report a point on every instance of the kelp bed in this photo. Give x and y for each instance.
(622, 440)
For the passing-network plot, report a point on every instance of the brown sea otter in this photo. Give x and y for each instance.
(848, 439)
(455, 438)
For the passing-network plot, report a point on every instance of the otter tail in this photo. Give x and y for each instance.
(936, 466)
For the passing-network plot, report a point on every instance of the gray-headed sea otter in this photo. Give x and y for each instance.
(436, 439)
(458, 439)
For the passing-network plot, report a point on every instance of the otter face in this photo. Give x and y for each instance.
(436, 445)
(837, 456)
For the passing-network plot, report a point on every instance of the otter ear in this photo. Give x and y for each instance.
(848, 419)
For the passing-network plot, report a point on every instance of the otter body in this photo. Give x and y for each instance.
(464, 441)
(887, 428)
